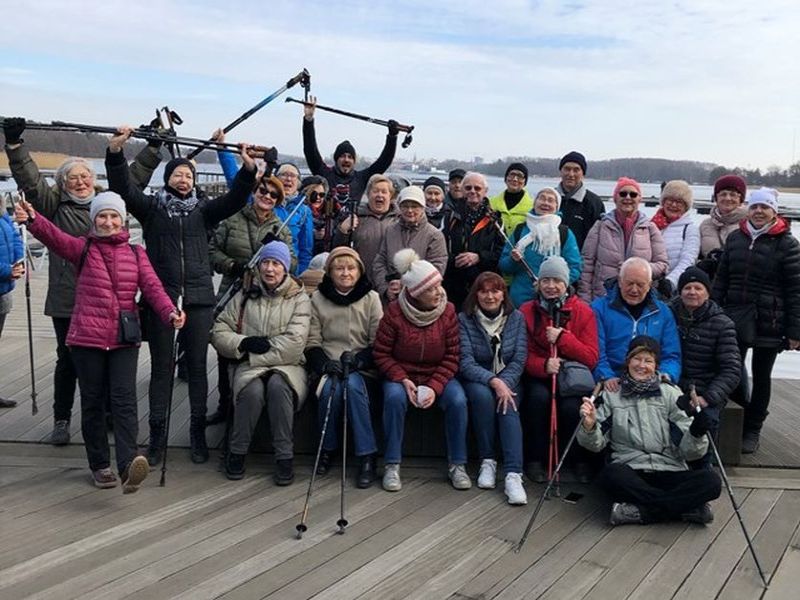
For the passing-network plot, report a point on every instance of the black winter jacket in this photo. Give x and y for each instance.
(580, 216)
(764, 273)
(709, 353)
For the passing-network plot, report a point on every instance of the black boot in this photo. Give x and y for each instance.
(366, 472)
(284, 472)
(324, 464)
(234, 465)
(197, 437)
(155, 449)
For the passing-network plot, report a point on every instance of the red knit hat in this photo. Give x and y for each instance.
(623, 181)
(733, 182)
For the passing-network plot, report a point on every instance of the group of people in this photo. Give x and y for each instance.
(498, 311)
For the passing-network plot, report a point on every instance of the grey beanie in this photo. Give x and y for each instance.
(106, 201)
(555, 267)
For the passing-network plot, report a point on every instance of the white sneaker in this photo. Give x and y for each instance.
(458, 477)
(487, 478)
(515, 492)
(391, 477)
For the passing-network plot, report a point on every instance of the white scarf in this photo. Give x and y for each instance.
(494, 328)
(542, 235)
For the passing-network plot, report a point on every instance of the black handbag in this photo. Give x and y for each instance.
(574, 379)
(130, 332)
(744, 317)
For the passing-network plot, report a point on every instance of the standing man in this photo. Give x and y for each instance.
(346, 184)
(580, 208)
(455, 195)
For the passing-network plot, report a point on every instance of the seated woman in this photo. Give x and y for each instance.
(651, 439)
(541, 235)
(345, 312)
(109, 273)
(417, 352)
(493, 350)
(263, 331)
(560, 327)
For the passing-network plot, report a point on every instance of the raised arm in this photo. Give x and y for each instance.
(227, 205)
(119, 179)
(68, 247)
(310, 149)
(384, 161)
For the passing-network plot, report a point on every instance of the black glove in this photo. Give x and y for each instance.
(155, 126)
(394, 127)
(238, 269)
(684, 403)
(332, 368)
(12, 129)
(363, 360)
(255, 344)
(700, 424)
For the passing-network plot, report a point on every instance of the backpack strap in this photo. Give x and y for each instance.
(563, 233)
(83, 255)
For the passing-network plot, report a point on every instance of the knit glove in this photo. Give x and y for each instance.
(255, 344)
(700, 424)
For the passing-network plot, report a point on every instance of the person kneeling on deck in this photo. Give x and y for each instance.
(263, 330)
(651, 439)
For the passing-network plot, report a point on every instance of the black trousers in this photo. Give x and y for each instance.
(194, 343)
(117, 369)
(535, 414)
(660, 495)
(763, 361)
(64, 377)
(223, 384)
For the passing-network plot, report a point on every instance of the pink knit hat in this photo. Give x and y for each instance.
(623, 181)
(416, 275)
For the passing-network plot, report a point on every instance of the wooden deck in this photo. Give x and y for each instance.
(202, 536)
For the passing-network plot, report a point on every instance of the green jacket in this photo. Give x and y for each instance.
(237, 238)
(645, 433)
(514, 216)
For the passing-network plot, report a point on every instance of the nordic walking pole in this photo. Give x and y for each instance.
(301, 527)
(173, 361)
(595, 397)
(735, 504)
(552, 456)
(303, 78)
(495, 216)
(347, 361)
(24, 233)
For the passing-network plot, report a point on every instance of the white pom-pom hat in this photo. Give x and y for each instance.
(416, 275)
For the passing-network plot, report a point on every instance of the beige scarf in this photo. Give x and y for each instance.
(421, 318)
(494, 328)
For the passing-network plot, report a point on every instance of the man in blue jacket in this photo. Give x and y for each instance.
(12, 268)
(632, 308)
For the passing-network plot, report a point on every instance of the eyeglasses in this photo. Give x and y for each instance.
(265, 192)
(469, 188)
(627, 194)
(287, 175)
(77, 178)
(674, 201)
(515, 175)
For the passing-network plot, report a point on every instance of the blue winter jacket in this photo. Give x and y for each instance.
(616, 328)
(475, 365)
(10, 252)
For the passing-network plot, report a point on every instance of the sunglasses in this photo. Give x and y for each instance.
(265, 192)
(469, 188)
(627, 194)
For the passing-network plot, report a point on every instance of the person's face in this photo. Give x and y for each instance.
(107, 222)
(455, 188)
(642, 366)
(627, 199)
(290, 179)
(345, 274)
(571, 176)
(674, 207)
(318, 191)
(634, 285)
(434, 196)
(760, 214)
(552, 287)
(515, 181)
(694, 295)
(411, 212)
(728, 201)
(80, 182)
(474, 191)
(345, 163)
(272, 273)
(546, 203)
(430, 298)
(181, 179)
(490, 298)
(265, 198)
(379, 198)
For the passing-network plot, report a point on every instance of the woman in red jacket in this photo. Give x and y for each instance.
(417, 352)
(556, 320)
(103, 347)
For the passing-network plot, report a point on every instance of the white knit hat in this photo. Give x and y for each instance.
(416, 275)
(412, 193)
(764, 195)
(106, 201)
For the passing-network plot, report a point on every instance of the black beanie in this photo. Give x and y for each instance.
(456, 174)
(434, 181)
(574, 157)
(174, 164)
(694, 274)
(517, 167)
(646, 343)
(344, 148)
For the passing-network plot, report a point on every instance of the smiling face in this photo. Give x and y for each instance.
(80, 182)
(345, 163)
(434, 196)
(546, 203)
(430, 298)
(674, 208)
(627, 199)
(515, 181)
(728, 201)
(264, 199)
(552, 288)
(760, 214)
(290, 178)
(344, 272)
(181, 179)
(474, 191)
(107, 222)
(694, 295)
(411, 212)
(379, 197)
(490, 298)
(642, 365)
(272, 273)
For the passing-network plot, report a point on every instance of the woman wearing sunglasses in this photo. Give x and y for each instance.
(620, 234)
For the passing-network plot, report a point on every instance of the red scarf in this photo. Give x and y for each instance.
(627, 224)
(661, 220)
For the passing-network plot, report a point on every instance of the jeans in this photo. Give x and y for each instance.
(486, 421)
(756, 412)
(277, 395)
(116, 369)
(536, 419)
(358, 414)
(452, 401)
(194, 342)
(64, 376)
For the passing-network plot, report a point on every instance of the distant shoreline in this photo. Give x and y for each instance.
(44, 160)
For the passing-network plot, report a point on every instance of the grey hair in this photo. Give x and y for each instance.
(636, 261)
(476, 175)
(287, 165)
(63, 171)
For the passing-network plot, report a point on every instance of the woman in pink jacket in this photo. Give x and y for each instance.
(103, 329)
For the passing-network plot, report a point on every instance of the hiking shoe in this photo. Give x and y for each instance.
(366, 472)
(536, 472)
(60, 435)
(104, 478)
(487, 478)
(583, 472)
(155, 448)
(391, 477)
(514, 490)
(701, 515)
(234, 466)
(325, 460)
(458, 477)
(197, 439)
(284, 471)
(625, 513)
(5, 403)
(135, 474)
(750, 441)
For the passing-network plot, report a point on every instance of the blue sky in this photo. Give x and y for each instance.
(708, 80)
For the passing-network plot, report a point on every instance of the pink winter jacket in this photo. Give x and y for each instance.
(604, 252)
(98, 301)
